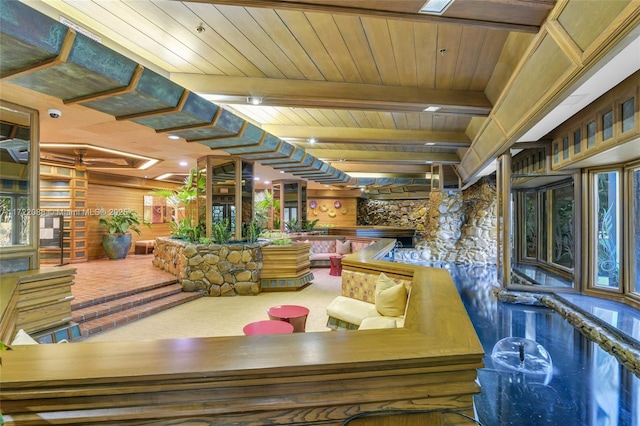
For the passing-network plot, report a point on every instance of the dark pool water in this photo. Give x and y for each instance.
(586, 386)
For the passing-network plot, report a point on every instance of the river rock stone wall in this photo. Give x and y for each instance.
(212, 269)
(462, 226)
(400, 213)
(452, 226)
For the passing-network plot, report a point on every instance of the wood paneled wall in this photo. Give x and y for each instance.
(117, 197)
(329, 215)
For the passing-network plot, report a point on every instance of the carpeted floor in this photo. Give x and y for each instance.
(226, 316)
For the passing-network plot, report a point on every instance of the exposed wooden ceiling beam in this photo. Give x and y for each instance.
(368, 11)
(368, 136)
(382, 157)
(335, 95)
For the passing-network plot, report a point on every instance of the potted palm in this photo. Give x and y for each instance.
(117, 241)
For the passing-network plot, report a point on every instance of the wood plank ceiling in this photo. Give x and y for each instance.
(355, 75)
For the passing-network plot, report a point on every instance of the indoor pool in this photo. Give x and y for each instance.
(584, 386)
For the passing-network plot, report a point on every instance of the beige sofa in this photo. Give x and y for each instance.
(360, 306)
(324, 247)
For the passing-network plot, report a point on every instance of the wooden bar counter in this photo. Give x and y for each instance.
(301, 378)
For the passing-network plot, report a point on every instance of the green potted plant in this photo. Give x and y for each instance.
(118, 223)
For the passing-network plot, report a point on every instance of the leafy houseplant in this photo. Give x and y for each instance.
(118, 223)
(221, 232)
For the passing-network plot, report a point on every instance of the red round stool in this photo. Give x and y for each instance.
(267, 327)
(292, 314)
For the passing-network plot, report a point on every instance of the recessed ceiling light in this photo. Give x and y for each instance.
(281, 171)
(183, 163)
(266, 182)
(430, 143)
(431, 109)
(174, 137)
(436, 7)
(254, 100)
(312, 140)
(256, 178)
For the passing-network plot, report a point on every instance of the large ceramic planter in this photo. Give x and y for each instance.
(116, 245)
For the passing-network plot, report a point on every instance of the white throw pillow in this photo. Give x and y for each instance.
(391, 297)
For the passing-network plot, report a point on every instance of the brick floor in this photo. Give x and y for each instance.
(110, 293)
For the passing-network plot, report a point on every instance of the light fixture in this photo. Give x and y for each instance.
(183, 163)
(200, 28)
(429, 143)
(435, 7)
(312, 140)
(281, 171)
(254, 100)
(431, 109)
(256, 178)
(266, 182)
(174, 137)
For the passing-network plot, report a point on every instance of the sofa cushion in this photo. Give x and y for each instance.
(390, 297)
(23, 338)
(351, 310)
(323, 256)
(370, 323)
(343, 247)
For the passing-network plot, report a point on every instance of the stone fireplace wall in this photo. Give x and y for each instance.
(452, 226)
(213, 269)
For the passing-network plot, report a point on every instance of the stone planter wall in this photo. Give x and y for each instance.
(213, 269)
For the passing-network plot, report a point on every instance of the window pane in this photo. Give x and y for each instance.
(607, 230)
(635, 225)
(607, 126)
(627, 115)
(530, 225)
(577, 136)
(591, 134)
(562, 226)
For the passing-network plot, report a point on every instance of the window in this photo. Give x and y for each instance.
(565, 148)
(561, 226)
(530, 224)
(591, 134)
(606, 238)
(607, 125)
(628, 108)
(577, 136)
(635, 229)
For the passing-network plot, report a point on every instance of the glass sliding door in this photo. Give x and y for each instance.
(606, 239)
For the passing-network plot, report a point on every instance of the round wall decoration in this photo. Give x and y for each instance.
(344, 210)
(324, 208)
(337, 204)
(332, 213)
(313, 204)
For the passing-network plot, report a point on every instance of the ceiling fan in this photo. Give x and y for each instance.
(80, 161)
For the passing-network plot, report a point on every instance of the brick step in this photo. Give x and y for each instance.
(75, 304)
(122, 303)
(117, 319)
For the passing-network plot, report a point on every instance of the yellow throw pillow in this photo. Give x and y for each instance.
(391, 297)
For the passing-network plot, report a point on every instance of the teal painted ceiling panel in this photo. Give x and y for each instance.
(269, 144)
(324, 167)
(305, 163)
(365, 181)
(385, 181)
(403, 181)
(90, 69)
(152, 93)
(226, 124)
(196, 111)
(250, 136)
(295, 157)
(284, 150)
(28, 37)
(102, 61)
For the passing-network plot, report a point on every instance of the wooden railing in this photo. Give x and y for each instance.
(423, 369)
